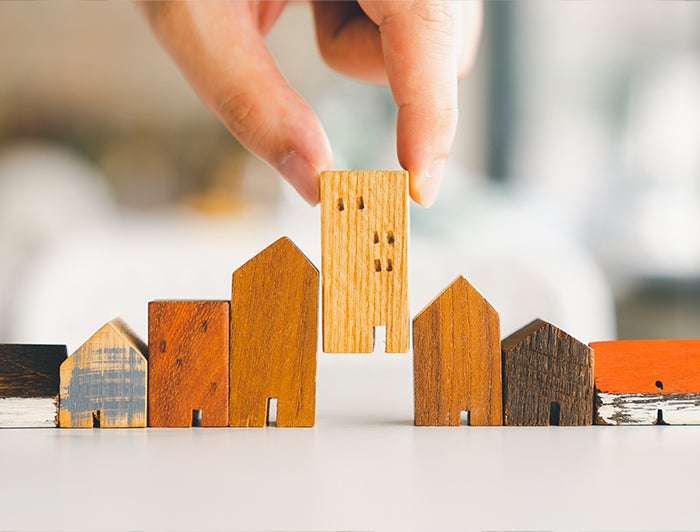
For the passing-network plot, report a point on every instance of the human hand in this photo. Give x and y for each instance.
(418, 47)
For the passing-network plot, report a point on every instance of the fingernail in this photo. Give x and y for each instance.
(297, 170)
(431, 183)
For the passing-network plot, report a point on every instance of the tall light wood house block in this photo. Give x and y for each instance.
(364, 246)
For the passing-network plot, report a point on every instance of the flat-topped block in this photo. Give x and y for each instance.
(645, 382)
(188, 363)
(364, 248)
(29, 382)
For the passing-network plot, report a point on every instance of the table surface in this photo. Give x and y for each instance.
(363, 467)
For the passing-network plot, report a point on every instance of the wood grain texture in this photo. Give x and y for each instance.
(547, 377)
(647, 382)
(274, 330)
(29, 382)
(364, 248)
(103, 384)
(457, 359)
(188, 363)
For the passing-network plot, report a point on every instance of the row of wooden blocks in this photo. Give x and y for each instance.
(540, 375)
(208, 365)
(225, 363)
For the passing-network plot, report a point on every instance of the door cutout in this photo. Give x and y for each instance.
(97, 419)
(554, 413)
(465, 418)
(196, 418)
(272, 412)
(660, 418)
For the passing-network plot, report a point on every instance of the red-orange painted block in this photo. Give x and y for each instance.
(647, 382)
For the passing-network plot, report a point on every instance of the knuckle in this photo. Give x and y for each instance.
(434, 13)
(243, 117)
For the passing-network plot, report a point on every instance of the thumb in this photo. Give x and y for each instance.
(223, 55)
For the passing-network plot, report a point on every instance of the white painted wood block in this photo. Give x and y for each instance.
(28, 412)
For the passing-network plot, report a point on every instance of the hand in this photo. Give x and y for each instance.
(418, 47)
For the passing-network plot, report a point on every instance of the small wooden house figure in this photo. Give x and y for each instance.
(547, 377)
(457, 359)
(364, 256)
(274, 329)
(29, 376)
(188, 363)
(103, 384)
(647, 382)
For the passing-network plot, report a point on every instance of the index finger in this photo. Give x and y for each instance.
(421, 57)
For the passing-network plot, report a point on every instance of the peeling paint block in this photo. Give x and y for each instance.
(103, 384)
(647, 382)
(29, 381)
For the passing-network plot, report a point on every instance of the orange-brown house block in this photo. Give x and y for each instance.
(457, 359)
(29, 377)
(644, 382)
(103, 384)
(547, 377)
(364, 246)
(274, 330)
(188, 363)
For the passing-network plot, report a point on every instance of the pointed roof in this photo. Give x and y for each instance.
(459, 289)
(533, 333)
(282, 253)
(122, 330)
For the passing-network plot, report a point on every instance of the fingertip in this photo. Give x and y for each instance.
(302, 175)
(424, 188)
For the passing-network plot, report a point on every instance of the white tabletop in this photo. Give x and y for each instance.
(363, 467)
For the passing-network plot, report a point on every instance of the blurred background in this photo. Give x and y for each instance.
(572, 193)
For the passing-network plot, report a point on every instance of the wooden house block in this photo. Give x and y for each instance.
(547, 377)
(647, 382)
(364, 247)
(457, 359)
(274, 329)
(103, 384)
(188, 363)
(29, 377)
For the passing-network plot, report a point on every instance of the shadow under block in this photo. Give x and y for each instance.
(188, 363)
(457, 359)
(274, 334)
(547, 377)
(29, 380)
(103, 384)
(364, 247)
(645, 382)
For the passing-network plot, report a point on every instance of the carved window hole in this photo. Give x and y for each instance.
(390, 237)
(377, 265)
(389, 265)
(659, 385)
(341, 205)
(360, 203)
(376, 237)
